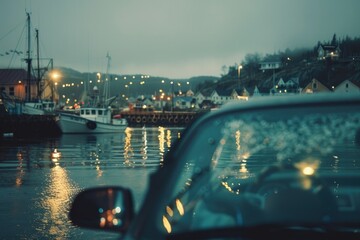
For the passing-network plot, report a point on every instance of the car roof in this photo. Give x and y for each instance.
(288, 101)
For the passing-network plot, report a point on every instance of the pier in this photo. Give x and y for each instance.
(46, 125)
(168, 119)
(29, 125)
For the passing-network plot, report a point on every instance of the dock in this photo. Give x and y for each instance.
(29, 126)
(166, 119)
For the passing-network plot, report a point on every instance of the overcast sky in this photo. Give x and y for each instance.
(169, 38)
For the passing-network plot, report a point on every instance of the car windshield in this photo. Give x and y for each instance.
(313, 179)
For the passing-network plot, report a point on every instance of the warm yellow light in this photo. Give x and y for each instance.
(308, 171)
(55, 75)
(308, 167)
(167, 224)
(169, 211)
(180, 207)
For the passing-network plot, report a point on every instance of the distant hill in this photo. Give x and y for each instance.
(72, 84)
(302, 64)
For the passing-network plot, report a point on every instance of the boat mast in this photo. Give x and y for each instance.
(38, 65)
(28, 61)
(107, 80)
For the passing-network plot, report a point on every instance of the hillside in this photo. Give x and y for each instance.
(301, 64)
(72, 84)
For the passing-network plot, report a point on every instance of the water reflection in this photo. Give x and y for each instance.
(20, 169)
(55, 200)
(39, 177)
(147, 146)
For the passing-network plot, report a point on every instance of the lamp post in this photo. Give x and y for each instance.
(172, 96)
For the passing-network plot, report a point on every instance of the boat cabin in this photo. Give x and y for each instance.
(96, 114)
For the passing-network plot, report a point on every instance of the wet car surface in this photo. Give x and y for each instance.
(211, 185)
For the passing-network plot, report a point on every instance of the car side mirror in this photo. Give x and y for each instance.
(107, 208)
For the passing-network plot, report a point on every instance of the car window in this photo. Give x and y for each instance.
(232, 147)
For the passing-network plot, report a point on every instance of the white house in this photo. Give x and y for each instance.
(200, 97)
(347, 87)
(270, 65)
(219, 97)
(290, 86)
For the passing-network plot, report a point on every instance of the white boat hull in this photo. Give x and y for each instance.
(71, 123)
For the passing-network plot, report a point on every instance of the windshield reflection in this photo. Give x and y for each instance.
(303, 147)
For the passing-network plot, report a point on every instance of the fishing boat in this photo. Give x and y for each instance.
(36, 102)
(95, 117)
(92, 120)
(41, 107)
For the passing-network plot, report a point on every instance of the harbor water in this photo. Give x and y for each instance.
(40, 176)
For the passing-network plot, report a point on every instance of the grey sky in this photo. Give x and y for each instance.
(169, 38)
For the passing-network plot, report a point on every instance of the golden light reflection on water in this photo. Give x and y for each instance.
(20, 169)
(134, 151)
(161, 138)
(128, 150)
(144, 146)
(55, 199)
(168, 138)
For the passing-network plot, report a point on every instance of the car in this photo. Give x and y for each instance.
(273, 167)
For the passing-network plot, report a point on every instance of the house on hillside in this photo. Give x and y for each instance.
(200, 97)
(220, 97)
(270, 65)
(347, 86)
(189, 93)
(184, 103)
(290, 86)
(331, 52)
(315, 86)
(240, 94)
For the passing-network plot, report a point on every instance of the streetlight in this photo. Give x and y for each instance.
(172, 96)
(54, 77)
